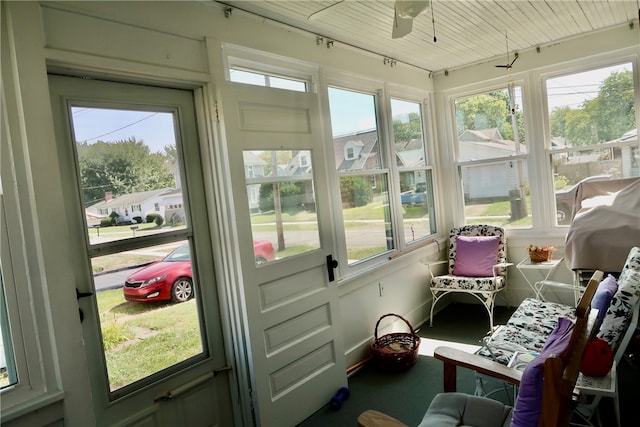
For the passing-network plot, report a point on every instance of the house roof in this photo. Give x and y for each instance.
(368, 140)
(131, 199)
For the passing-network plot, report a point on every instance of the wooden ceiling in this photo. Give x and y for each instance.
(467, 31)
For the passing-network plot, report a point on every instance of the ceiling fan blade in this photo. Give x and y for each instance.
(504, 66)
(401, 26)
(514, 59)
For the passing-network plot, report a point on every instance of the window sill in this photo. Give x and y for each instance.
(48, 408)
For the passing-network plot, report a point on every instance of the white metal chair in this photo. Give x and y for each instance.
(484, 287)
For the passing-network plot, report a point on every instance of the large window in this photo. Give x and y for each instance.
(593, 131)
(491, 154)
(363, 177)
(416, 189)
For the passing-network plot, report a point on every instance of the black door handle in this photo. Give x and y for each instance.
(331, 265)
(82, 295)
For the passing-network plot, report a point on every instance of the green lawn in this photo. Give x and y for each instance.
(141, 339)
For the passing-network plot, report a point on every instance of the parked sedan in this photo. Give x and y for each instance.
(172, 279)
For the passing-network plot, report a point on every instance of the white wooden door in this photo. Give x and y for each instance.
(274, 141)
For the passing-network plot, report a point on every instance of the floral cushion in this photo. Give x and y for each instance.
(619, 314)
(470, 283)
(527, 330)
(534, 320)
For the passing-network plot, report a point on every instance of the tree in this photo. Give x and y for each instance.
(489, 110)
(607, 116)
(121, 167)
(405, 131)
(612, 110)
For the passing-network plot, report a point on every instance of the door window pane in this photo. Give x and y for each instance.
(140, 243)
(363, 179)
(416, 190)
(282, 203)
(129, 173)
(144, 331)
(492, 158)
(593, 131)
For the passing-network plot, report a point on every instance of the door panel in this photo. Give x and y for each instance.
(142, 256)
(275, 150)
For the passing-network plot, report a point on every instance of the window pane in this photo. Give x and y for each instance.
(493, 195)
(365, 196)
(591, 107)
(8, 375)
(130, 179)
(355, 131)
(407, 134)
(282, 203)
(485, 125)
(416, 190)
(593, 131)
(417, 205)
(142, 331)
(490, 130)
(260, 79)
(367, 217)
(247, 77)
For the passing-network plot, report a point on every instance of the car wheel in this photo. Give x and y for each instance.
(563, 215)
(182, 290)
(260, 260)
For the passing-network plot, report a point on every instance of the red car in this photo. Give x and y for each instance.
(172, 279)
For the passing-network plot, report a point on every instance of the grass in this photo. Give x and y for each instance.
(142, 339)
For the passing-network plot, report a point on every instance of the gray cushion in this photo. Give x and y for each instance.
(460, 409)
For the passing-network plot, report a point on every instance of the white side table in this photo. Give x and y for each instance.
(606, 386)
(537, 274)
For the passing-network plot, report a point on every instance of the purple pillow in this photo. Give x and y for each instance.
(528, 407)
(603, 296)
(476, 255)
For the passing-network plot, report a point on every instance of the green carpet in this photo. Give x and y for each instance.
(406, 395)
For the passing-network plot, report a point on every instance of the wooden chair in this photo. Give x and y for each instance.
(560, 375)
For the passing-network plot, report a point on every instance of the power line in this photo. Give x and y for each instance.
(123, 127)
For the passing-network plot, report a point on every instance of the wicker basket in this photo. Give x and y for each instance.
(396, 351)
(541, 255)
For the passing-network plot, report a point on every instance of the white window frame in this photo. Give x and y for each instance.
(421, 98)
(35, 370)
(526, 158)
(564, 70)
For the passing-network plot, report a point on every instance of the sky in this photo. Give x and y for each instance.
(155, 129)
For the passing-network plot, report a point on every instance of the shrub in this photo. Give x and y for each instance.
(106, 222)
(159, 220)
(138, 219)
(356, 191)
